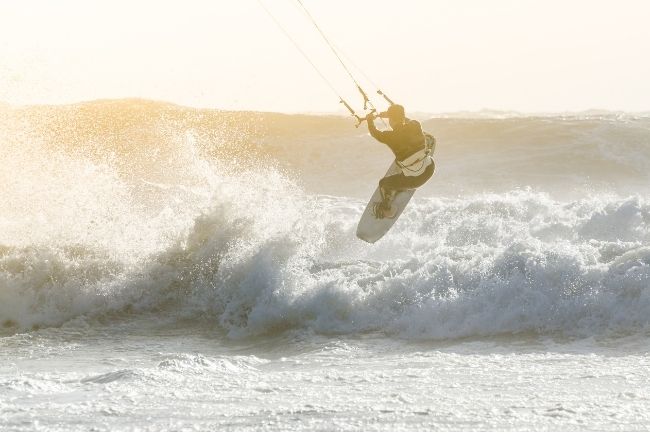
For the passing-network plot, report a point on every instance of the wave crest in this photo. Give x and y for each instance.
(454, 268)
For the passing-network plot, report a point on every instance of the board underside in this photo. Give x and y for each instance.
(371, 228)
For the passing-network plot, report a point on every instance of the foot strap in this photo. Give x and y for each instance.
(378, 210)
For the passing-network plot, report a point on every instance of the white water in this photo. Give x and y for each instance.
(139, 275)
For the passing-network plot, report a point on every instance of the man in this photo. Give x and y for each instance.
(408, 143)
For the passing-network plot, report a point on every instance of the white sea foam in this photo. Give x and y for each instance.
(243, 245)
(513, 293)
(475, 266)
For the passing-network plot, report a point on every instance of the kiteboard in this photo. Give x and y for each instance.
(372, 228)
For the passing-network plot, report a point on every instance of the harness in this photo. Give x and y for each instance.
(417, 163)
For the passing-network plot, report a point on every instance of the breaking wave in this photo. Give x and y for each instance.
(479, 266)
(248, 248)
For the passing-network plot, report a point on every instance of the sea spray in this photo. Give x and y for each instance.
(535, 266)
(140, 208)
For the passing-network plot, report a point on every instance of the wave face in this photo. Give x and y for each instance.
(131, 207)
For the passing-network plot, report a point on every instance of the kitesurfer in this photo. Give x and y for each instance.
(408, 143)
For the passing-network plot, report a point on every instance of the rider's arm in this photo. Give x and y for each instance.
(381, 136)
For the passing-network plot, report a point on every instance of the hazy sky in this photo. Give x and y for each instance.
(431, 55)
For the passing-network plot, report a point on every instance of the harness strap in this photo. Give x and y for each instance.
(421, 158)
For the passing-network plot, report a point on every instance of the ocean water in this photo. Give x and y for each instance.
(171, 268)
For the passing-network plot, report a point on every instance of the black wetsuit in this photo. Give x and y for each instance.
(404, 141)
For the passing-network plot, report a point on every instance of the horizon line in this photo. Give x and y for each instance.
(483, 112)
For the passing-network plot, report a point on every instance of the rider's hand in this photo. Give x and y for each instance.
(371, 117)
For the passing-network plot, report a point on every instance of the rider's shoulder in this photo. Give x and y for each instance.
(413, 124)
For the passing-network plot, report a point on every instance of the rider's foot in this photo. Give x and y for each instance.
(389, 211)
(381, 211)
